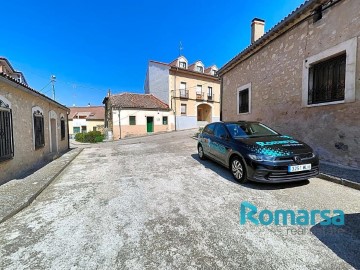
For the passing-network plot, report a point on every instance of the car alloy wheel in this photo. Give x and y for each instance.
(201, 152)
(238, 170)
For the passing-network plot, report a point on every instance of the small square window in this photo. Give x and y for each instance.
(183, 108)
(165, 120)
(132, 120)
(182, 64)
(199, 69)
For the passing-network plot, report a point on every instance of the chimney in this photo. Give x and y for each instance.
(257, 29)
(109, 93)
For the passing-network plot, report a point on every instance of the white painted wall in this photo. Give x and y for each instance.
(141, 117)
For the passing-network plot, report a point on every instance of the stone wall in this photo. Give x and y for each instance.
(276, 73)
(25, 155)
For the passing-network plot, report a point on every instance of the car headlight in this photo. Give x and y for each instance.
(257, 157)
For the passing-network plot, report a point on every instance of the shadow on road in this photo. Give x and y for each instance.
(226, 174)
(344, 240)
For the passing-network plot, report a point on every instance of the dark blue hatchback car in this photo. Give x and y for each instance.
(253, 151)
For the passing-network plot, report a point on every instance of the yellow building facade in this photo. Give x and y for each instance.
(192, 91)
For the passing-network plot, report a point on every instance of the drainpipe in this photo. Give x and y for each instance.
(119, 123)
(221, 96)
(68, 131)
(173, 98)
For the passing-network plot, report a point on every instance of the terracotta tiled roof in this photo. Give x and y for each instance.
(90, 112)
(131, 100)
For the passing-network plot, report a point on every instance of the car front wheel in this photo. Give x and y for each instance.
(201, 152)
(238, 170)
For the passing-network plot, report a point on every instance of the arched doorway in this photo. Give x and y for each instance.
(204, 114)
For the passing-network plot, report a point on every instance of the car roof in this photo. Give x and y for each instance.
(233, 122)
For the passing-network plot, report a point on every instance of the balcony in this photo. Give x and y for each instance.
(184, 93)
(210, 98)
(200, 96)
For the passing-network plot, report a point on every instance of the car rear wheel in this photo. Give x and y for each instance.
(201, 152)
(238, 170)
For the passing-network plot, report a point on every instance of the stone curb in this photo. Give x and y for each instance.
(34, 195)
(340, 181)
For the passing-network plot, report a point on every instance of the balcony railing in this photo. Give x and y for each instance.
(184, 93)
(210, 97)
(200, 96)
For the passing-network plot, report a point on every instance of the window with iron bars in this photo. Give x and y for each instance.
(244, 101)
(327, 80)
(62, 127)
(39, 130)
(6, 132)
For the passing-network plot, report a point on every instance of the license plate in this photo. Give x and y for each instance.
(299, 168)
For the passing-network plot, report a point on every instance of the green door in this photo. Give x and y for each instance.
(150, 124)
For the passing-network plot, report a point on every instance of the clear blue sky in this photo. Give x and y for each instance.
(92, 46)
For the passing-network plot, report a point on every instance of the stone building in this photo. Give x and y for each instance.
(33, 127)
(192, 91)
(303, 78)
(130, 114)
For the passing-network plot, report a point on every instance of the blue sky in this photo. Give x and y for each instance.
(94, 46)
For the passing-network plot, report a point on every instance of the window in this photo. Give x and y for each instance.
(6, 132)
(327, 80)
(132, 120)
(209, 129)
(183, 108)
(94, 128)
(62, 127)
(199, 69)
(39, 129)
(165, 120)
(244, 101)
(198, 89)
(183, 91)
(220, 131)
(213, 72)
(76, 130)
(210, 93)
(329, 77)
(182, 64)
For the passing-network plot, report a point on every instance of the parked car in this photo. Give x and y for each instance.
(253, 151)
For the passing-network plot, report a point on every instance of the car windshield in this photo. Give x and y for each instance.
(249, 130)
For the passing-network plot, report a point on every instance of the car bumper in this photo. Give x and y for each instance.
(279, 173)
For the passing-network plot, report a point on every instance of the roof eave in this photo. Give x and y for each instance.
(29, 90)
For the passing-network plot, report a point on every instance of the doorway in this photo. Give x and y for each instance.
(53, 135)
(150, 124)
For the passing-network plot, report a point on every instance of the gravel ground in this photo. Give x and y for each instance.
(150, 203)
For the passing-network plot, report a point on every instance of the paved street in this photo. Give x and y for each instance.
(150, 203)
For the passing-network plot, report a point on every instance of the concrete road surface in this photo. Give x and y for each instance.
(150, 203)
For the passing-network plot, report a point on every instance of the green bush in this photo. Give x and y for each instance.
(79, 137)
(89, 137)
